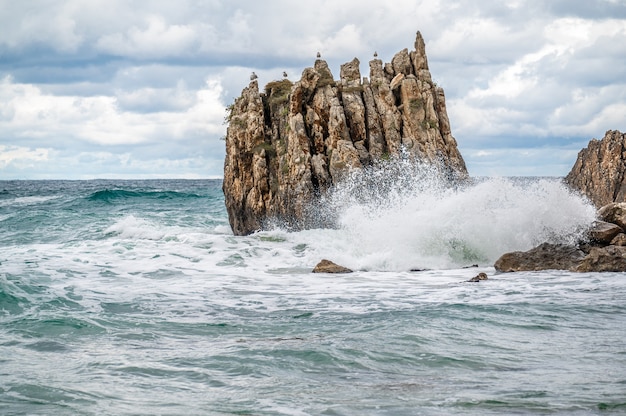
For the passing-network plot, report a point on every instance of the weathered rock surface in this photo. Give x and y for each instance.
(604, 259)
(603, 232)
(288, 145)
(543, 257)
(600, 170)
(603, 251)
(327, 266)
(615, 213)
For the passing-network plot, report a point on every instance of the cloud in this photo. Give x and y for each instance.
(60, 124)
(21, 156)
(111, 87)
(539, 96)
(154, 39)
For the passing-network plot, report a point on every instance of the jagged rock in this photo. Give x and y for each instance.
(604, 259)
(615, 213)
(287, 146)
(619, 240)
(479, 277)
(600, 170)
(603, 232)
(327, 266)
(546, 256)
(396, 81)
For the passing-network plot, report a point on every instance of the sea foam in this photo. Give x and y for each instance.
(403, 215)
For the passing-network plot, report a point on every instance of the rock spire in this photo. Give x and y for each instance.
(600, 170)
(289, 144)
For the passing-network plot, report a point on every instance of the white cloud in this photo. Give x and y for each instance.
(28, 112)
(21, 156)
(155, 38)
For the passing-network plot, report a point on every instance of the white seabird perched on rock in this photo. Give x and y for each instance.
(375, 54)
(319, 55)
(253, 76)
(284, 74)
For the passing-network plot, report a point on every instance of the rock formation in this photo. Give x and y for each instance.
(546, 256)
(288, 145)
(603, 251)
(600, 170)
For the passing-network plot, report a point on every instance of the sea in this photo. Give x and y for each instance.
(133, 297)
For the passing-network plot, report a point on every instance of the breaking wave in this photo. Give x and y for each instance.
(402, 214)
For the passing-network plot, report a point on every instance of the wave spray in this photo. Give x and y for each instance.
(401, 214)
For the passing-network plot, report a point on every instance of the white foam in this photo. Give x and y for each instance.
(131, 227)
(27, 200)
(407, 216)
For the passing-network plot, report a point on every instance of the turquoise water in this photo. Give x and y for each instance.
(133, 297)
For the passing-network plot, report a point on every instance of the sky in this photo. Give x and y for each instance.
(138, 89)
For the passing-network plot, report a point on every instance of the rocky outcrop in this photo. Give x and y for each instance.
(287, 146)
(604, 249)
(543, 257)
(600, 170)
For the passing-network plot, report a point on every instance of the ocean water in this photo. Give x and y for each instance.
(134, 298)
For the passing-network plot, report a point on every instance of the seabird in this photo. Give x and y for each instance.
(253, 76)
(319, 55)
(284, 74)
(375, 54)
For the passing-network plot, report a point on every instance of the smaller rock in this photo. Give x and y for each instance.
(604, 259)
(604, 232)
(614, 212)
(327, 266)
(479, 277)
(396, 81)
(619, 240)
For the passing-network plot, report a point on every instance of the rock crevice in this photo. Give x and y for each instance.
(288, 145)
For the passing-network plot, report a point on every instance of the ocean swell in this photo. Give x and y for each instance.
(111, 195)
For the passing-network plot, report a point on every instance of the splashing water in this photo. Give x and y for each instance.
(401, 215)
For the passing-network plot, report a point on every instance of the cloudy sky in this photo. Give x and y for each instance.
(137, 89)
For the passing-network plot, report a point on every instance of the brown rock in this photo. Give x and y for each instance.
(619, 240)
(327, 266)
(544, 257)
(615, 213)
(600, 170)
(396, 81)
(479, 277)
(287, 146)
(603, 232)
(604, 259)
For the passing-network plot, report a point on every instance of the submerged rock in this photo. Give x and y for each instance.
(286, 146)
(479, 277)
(327, 266)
